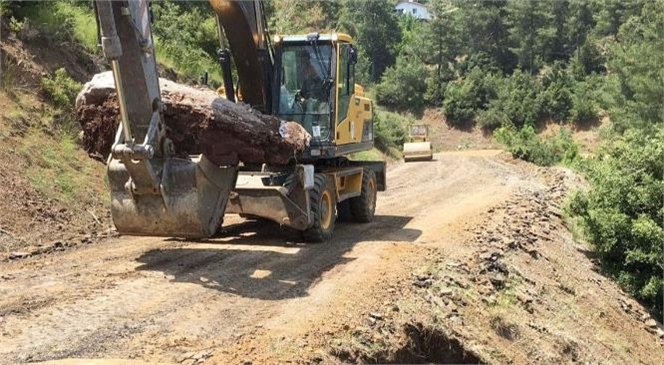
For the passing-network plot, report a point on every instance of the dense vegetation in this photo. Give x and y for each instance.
(507, 66)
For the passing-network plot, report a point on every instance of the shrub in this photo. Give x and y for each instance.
(60, 89)
(62, 21)
(403, 86)
(465, 98)
(622, 213)
(186, 39)
(556, 95)
(584, 107)
(390, 131)
(527, 145)
(459, 104)
(492, 118)
(517, 99)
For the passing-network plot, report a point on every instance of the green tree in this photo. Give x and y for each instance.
(636, 60)
(484, 31)
(439, 44)
(403, 85)
(302, 16)
(525, 19)
(622, 213)
(611, 14)
(373, 25)
(556, 45)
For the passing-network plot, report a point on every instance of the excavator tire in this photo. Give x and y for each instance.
(343, 211)
(363, 207)
(323, 207)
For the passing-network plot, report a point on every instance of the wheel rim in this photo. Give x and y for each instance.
(326, 210)
(371, 199)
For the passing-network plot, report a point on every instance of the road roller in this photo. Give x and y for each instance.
(419, 148)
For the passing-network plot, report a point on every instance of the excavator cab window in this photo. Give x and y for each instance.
(346, 84)
(305, 88)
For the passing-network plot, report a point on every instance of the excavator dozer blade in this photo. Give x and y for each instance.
(190, 204)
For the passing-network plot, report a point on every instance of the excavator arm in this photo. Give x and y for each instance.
(153, 193)
(242, 24)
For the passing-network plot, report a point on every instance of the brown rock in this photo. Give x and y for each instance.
(651, 323)
(197, 121)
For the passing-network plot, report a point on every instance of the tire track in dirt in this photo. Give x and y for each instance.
(155, 299)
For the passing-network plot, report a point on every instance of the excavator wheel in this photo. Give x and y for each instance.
(363, 207)
(323, 207)
(343, 211)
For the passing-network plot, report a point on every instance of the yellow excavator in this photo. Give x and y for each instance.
(304, 78)
(419, 148)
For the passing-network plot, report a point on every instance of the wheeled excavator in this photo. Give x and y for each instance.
(307, 78)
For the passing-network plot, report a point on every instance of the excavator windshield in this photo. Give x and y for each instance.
(304, 95)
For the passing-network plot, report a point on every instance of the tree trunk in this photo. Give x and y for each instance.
(197, 121)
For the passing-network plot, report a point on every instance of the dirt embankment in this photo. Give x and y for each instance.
(508, 285)
(52, 196)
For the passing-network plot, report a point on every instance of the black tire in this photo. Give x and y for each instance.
(363, 207)
(343, 211)
(322, 199)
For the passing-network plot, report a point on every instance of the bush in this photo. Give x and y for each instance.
(517, 99)
(492, 118)
(623, 216)
(186, 39)
(527, 145)
(465, 98)
(62, 21)
(556, 96)
(403, 86)
(584, 107)
(459, 104)
(390, 131)
(61, 89)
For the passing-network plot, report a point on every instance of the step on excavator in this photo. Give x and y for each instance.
(308, 79)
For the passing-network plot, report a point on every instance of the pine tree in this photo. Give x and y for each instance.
(374, 27)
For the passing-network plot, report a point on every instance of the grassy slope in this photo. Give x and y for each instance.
(50, 189)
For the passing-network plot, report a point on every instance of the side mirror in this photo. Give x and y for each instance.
(352, 57)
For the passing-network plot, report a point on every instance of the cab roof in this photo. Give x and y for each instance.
(322, 37)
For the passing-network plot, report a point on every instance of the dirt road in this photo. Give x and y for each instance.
(158, 299)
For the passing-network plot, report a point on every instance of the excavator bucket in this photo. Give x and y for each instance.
(189, 203)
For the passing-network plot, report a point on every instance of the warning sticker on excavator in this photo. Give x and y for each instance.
(316, 131)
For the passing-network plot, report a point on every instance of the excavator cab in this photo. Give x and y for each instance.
(315, 86)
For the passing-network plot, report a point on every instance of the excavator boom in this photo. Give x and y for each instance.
(242, 24)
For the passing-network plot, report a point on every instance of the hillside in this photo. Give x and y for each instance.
(53, 194)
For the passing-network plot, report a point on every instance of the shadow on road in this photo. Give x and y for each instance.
(257, 259)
